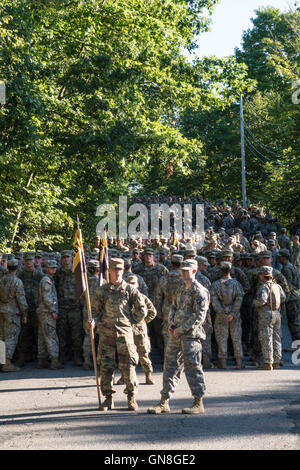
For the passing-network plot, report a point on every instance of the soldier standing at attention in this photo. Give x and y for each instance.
(226, 298)
(69, 323)
(184, 349)
(47, 313)
(27, 344)
(13, 306)
(269, 298)
(116, 306)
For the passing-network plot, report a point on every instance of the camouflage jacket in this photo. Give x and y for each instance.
(47, 296)
(189, 310)
(236, 273)
(31, 281)
(262, 301)
(12, 296)
(151, 275)
(142, 285)
(255, 281)
(293, 279)
(227, 296)
(165, 292)
(65, 286)
(116, 307)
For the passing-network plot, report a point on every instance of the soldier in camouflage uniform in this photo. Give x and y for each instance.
(264, 259)
(184, 348)
(69, 323)
(226, 298)
(13, 312)
(142, 286)
(152, 272)
(47, 313)
(236, 273)
(140, 334)
(296, 252)
(116, 306)
(27, 344)
(269, 298)
(293, 297)
(3, 269)
(93, 267)
(202, 278)
(165, 291)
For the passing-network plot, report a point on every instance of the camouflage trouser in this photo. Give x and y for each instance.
(155, 334)
(246, 317)
(69, 329)
(47, 337)
(142, 343)
(269, 330)
(255, 343)
(183, 353)
(28, 337)
(206, 343)
(10, 327)
(165, 334)
(110, 345)
(293, 317)
(222, 332)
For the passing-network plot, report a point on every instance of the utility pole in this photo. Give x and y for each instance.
(243, 153)
(2, 93)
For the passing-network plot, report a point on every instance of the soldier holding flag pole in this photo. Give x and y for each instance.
(81, 286)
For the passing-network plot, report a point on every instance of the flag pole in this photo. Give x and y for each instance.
(90, 318)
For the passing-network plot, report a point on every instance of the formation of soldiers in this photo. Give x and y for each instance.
(194, 304)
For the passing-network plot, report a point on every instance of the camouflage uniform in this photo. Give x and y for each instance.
(226, 298)
(93, 283)
(207, 326)
(141, 338)
(115, 308)
(269, 320)
(255, 283)
(293, 297)
(29, 332)
(69, 323)
(188, 314)
(152, 275)
(12, 305)
(166, 290)
(48, 345)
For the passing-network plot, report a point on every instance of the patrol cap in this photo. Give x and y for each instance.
(51, 263)
(266, 270)
(271, 242)
(148, 251)
(176, 258)
(131, 278)
(202, 260)
(265, 254)
(19, 255)
(189, 264)
(38, 254)
(116, 263)
(273, 233)
(135, 250)
(4, 256)
(93, 263)
(284, 252)
(12, 263)
(225, 265)
(164, 251)
(127, 262)
(226, 253)
(29, 255)
(190, 253)
(258, 234)
(66, 253)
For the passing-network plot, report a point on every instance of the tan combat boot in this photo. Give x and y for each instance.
(55, 364)
(276, 365)
(43, 364)
(162, 407)
(132, 404)
(222, 364)
(196, 408)
(239, 363)
(149, 379)
(9, 367)
(108, 403)
(265, 366)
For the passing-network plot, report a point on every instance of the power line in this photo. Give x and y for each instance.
(259, 153)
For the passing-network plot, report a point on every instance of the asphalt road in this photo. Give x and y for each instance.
(245, 410)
